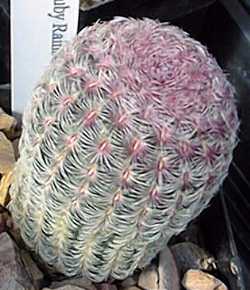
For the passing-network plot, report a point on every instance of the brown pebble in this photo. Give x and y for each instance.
(15, 144)
(198, 280)
(7, 156)
(106, 286)
(129, 282)
(9, 222)
(81, 282)
(131, 288)
(2, 224)
(67, 287)
(7, 122)
(148, 278)
(5, 220)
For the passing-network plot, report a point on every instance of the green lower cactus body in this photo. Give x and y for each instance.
(128, 136)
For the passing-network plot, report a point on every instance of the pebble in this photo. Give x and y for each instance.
(2, 223)
(66, 287)
(148, 278)
(168, 273)
(12, 273)
(198, 280)
(7, 122)
(190, 256)
(131, 288)
(13, 285)
(33, 271)
(106, 286)
(129, 282)
(15, 144)
(81, 282)
(7, 155)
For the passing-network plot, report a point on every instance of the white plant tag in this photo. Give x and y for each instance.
(38, 29)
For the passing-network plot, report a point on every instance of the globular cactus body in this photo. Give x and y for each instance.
(129, 135)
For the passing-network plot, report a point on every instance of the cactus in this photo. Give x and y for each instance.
(129, 135)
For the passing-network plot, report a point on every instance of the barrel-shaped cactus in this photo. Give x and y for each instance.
(128, 136)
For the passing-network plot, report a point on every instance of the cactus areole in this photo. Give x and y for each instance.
(129, 135)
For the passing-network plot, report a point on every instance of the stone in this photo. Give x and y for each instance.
(7, 122)
(7, 225)
(130, 281)
(13, 275)
(168, 272)
(8, 127)
(148, 278)
(131, 288)
(15, 144)
(7, 162)
(81, 282)
(13, 285)
(2, 223)
(5, 219)
(5, 183)
(198, 280)
(6, 222)
(66, 287)
(190, 256)
(35, 274)
(106, 286)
